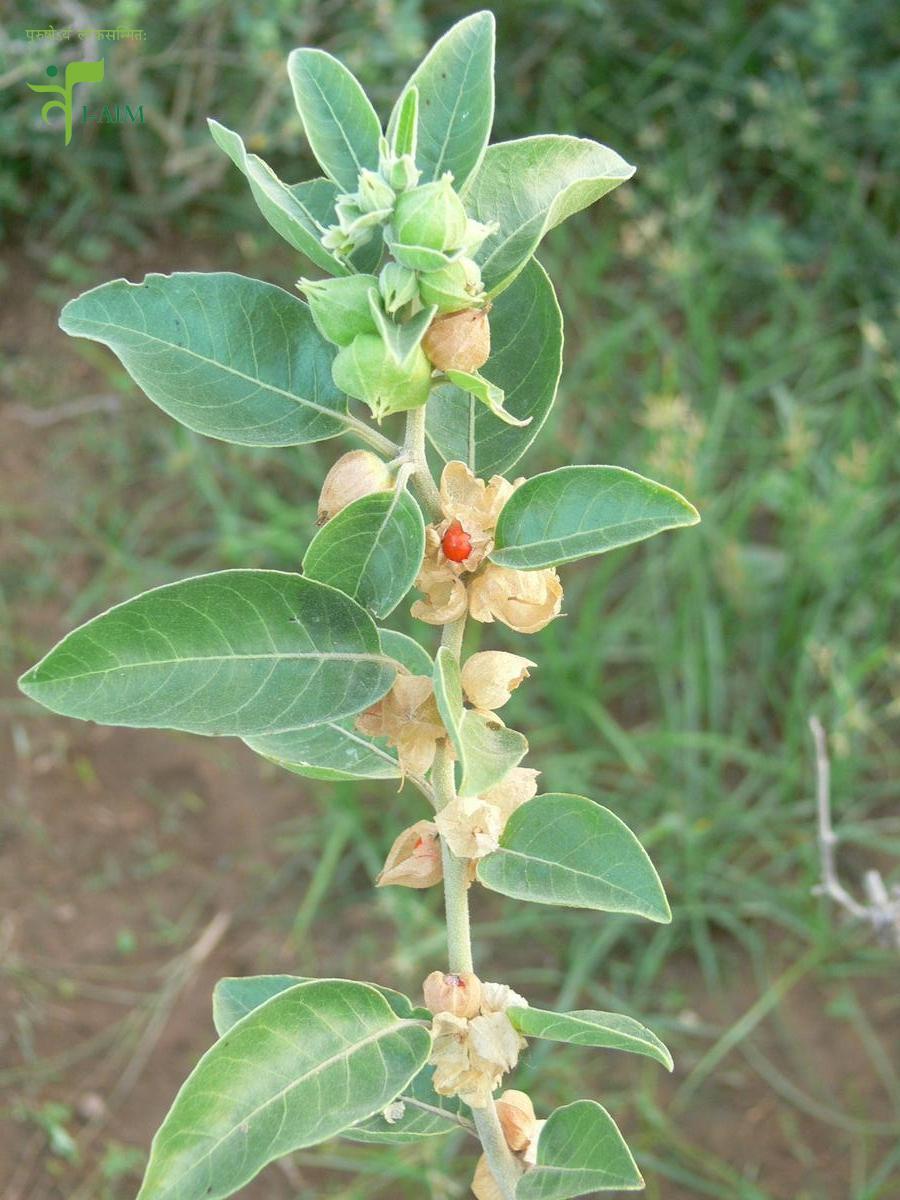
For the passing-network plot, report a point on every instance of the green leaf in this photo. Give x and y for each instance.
(341, 125)
(227, 356)
(526, 360)
(336, 750)
(611, 1031)
(372, 550)
(528, 187)
(486, 749)
(572, 512)
(455, 81)
(236, 652)
(448, 694)
(487, 752)
(406, 651)
(405, 133)
(402, 341)
(236, 996)
(567, 850)
(579, 1151)
(488, 393)
(281, 204)
(427, 1114)
(300, 1068)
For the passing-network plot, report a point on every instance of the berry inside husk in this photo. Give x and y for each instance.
(456, 543)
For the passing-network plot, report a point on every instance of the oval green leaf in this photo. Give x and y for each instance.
(611, 1031)
(230, 357)
(455, 82)
(525, 363)
(236, 996)
(426, 1113)
(528, 187)
(406, 651)
(300, 1068)
(579, 1151)
(567, 850)
(487, 752)
(572, 512)
(235, 652)
(341, 125)
(281, 204)
(448, 694)
(372, 550)
(335, 750)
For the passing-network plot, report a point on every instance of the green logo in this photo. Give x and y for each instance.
(76, 72)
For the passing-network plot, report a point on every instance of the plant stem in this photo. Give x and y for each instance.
(504, 1167)
(414, 446)
(385, 447)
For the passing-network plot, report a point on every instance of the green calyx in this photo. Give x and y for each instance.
(373, 194)
(398, 286)
(454, 287)
(431, 216)
(340, 307)
(367, 371)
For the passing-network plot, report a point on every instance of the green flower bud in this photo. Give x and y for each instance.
(431, 216)
(399, 170)
(367, 371)
(402, 173)
(397, 285)
(355, 225)
(337, 241)
(373, 194)
(340, 307)
(453, 287)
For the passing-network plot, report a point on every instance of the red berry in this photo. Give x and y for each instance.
(456, 543)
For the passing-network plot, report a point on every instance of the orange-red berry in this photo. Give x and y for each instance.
(456, 543)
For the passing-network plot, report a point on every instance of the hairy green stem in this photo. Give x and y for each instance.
(504, 1167)
(414, 446)
(384, 446)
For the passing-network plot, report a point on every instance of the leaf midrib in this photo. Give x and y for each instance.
(345, 418)
(547, 862)
(220, 658)
(295, 1083)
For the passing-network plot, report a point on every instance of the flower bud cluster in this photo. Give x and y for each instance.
(474, 1041)
(452, 586)
(431, 242)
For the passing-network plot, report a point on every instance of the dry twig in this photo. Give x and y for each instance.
(882, 911)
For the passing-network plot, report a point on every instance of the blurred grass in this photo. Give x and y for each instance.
(732, 322)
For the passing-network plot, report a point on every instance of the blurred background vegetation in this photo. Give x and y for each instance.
(732, 320)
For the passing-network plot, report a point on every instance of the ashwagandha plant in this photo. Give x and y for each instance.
(432, 306)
